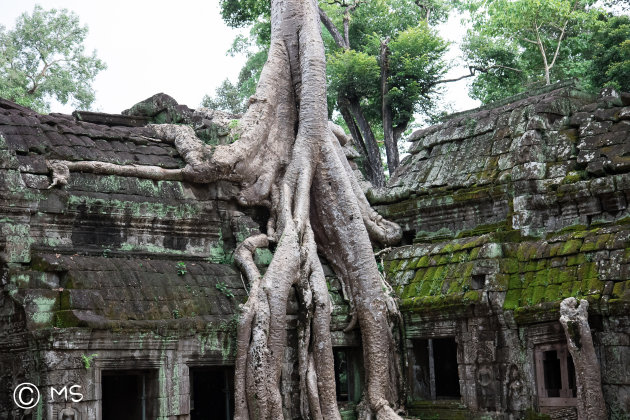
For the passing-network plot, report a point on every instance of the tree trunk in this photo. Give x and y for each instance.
(391, 144)
(574, 320)
(373, 152)
(289, 158)
(371, 174)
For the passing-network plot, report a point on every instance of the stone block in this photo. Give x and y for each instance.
(530, 170)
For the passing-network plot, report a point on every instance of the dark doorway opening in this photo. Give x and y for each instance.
(348, 374)
(129, 394)
(433, 369)
(211, 393)
(446, 375)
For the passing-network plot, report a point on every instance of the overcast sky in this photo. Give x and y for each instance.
(175, 47)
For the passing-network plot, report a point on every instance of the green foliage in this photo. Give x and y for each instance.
(239, 13)
(43, 58)
(416, 63)
(227, 98)
(87, 360)
(223, 288)
(500, 81)
(233, 97)
(521, 43)
(416, 59)
(181, 268)
(353, 73)
(610, 53)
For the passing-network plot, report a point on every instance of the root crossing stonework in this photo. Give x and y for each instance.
(288, 158)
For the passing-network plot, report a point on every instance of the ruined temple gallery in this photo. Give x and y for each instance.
(126, 286)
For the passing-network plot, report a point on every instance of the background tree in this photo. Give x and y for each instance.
(384, 66)
(609, 53)
(43, 58)
(516, 44)
(227, 98)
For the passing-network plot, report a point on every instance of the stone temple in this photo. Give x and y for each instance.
(123, 290)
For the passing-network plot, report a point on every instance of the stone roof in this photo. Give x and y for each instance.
(34, 137)
(531, 196)
(100, 292)
(518, 161)
(103, 251)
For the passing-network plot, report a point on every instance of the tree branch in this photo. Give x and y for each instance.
(332, 29)
(564, 28)
(473, 69)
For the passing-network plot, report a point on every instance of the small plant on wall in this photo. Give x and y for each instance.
(223, 288)
(87, 360)
(181, 268)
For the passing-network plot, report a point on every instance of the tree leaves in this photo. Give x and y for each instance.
(43, 58)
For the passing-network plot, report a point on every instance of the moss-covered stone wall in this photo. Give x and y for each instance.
(506, 211)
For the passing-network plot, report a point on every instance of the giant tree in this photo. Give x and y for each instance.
(289, 158)
(385, 63)
(43, 58)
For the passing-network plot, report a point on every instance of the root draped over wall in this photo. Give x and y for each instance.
(288, 158)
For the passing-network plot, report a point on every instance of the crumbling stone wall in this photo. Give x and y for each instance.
(506, 211)
(120, 274)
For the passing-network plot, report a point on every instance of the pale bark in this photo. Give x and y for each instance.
(315, 203)
(590, 398)
(289, 159)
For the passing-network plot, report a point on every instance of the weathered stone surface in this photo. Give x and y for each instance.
(558, 167)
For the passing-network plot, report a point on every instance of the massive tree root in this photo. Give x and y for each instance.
(289, 159)
(574, 320)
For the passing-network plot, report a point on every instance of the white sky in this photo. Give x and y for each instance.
(175, 47)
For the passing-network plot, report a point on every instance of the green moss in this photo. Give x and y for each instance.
(472, 296)
(423, 262)
(515, 282)
(526, 251)
(474, 253)
(542, 278)
(483, 229)
(592, 286)
(576, 259)
(512, 298)
(621, 290)
(572, 246)
(587, 270)
(531, 414)
(573, 177)
(551, 293)
(508, 265)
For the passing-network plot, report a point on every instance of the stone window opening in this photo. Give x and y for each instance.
(211, 393)
(555, 376)
(434, 372)
(129, 394)
(478, 281)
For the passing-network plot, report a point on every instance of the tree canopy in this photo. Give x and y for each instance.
(609, 53)
(523, 43)
(43, 58)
